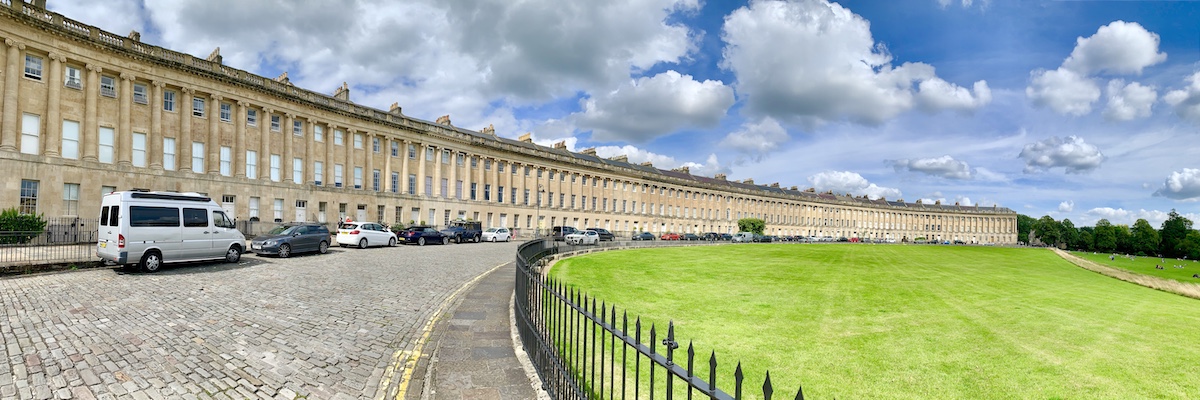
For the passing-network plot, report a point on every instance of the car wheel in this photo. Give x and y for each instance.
(493, 239)
(323, 247)
(362, 243)
(508, 239)
(285, 250)
(421, 241)
(233, 254)
(445, 240)
(392, 242)
(475, 239)
(151, 262)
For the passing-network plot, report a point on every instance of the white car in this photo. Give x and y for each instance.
(364, 234)
(497, 235)
(583, 237)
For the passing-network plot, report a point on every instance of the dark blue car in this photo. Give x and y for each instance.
(643, 236)
(422, 235)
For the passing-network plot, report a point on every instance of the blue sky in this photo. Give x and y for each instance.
(1077, 109)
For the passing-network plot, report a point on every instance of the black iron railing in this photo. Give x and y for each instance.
(64, 240)
(581, 350)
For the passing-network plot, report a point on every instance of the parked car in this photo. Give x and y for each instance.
(422, 235)
(726, 237)
(761, 239)
(292, 238)
(364, 234)
(464, 231)
(669, 236)
(497, 235)
(151, 228)
(642, 236)
(743, 237)
(604, 234)
(689, 236)
(583, 237)
(558, 233)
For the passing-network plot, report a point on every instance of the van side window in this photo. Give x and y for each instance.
(104, 216)
(113, 215)
(151, 216)
(221, 220)
(195, 218)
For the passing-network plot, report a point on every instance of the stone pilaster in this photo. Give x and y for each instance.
(91, 125)
(213, 159)
(155, 139)
(239, 140)
(124, 141)
(12, 72)
(53, 140)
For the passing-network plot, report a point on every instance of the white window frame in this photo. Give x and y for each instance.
(251, 117)
(226, 112)
(33, 67)
(358, 140)
(338, 172)
(339, 137)
(73, 78)
(251, 164)
(318, 133)
(169, 154)
(108, 86)
(70, 139)
(138, 157)
(106, 145)
(318, 172)
(198, 107)
(297, 170)
(254, 207)
(358, 177)
(169, 100)
(275, 123)
(71, 199)
(276, 161)
(139, 94)
(226, 154)
(297, 127)
(198, 157)
(31, 133)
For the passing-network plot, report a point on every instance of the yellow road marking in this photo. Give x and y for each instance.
(407, 361)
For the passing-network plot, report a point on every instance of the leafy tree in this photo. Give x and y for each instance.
(20, 228)
(1087, 239)
(1106, 236)
(1145, 239)
(1124, 238)
(1048, 230)
(752, 225)
(1070, 235)
(1190, 246)
(1024, 225)
(1174, 230)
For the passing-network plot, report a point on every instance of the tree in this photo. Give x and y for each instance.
(1087, 239)
(1174, 230)
(752, 225)
(1145, 239)
(1024, 225)
(1048, 231)
(1191, 245)
(20, 228)
(1124, 238)
(1070, 235)
(1106, 236)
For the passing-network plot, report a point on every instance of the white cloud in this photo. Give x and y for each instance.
(756, 140)
(944, 166)
(813, 61)
(1066, 206)
(711, 167)
(1064, 91)
(1127, 102)
(646, 108)
(850, 182)
(965, 3)
(1181, 185)
(988, 175)
(1117, 48)
(116, 16)
(1187, 100)
(1070, 153)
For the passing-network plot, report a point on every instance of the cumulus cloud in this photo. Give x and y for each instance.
(1181, 185)
(1127, 102)
(852, 183)
(1071, 153)
(813, 61)
(1187, 100)
(944, 166)
(1117, 48)
(1062, 90)
(646, 108)
(710, 167)
(755, 140)
(1066, 206)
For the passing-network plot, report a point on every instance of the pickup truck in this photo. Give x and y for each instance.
(463, 231)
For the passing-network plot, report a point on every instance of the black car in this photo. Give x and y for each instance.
(689, 236)
(604, 234)
(726, 237)
(291, 238)
(643, 236)
(422, 235)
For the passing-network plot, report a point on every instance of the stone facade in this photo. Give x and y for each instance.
(85, 111)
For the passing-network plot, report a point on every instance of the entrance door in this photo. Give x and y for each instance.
(300, 213)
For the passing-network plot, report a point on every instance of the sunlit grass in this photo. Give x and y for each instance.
(1145, 265)
(893, 321)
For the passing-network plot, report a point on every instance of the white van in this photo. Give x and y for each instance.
(743, 237)
(151, 228)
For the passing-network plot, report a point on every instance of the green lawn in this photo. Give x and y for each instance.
(918, 322)
(1145, 265)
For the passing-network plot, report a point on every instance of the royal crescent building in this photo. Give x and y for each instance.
(87, 112)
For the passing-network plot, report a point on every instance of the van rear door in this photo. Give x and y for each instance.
(108, 242)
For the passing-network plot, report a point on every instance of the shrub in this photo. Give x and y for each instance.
(20, 228)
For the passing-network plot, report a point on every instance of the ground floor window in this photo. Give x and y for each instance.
(71, 198)
(29, 197)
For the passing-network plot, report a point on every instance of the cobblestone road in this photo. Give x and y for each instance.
(312, 326)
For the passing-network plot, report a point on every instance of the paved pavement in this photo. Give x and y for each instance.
(344, 325)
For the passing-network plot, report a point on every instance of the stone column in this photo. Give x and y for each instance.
(285, 167)
(264, 152)
(185, 132)
(453, 183)
(90, 139)
(495, 178)
(53, 104)
(467, 176)
(421, 161)
(348, 169)
(214, 135)
(329, 161)
(369, 170)
(124, 141)
(404, 161)
(239, 140)
(437, 175)
(385, 178)
(154, 148)
(12, 72)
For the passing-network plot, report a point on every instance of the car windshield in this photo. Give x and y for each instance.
(491, 230)
(350, 226)
(282, 230)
